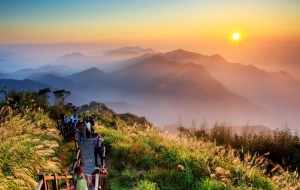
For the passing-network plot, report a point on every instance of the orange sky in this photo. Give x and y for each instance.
(266, 27)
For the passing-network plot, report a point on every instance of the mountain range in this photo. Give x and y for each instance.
(178, 84)
(105, 61)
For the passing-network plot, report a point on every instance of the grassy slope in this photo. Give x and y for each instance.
(28, 145)
(139, 157)
(146, 158)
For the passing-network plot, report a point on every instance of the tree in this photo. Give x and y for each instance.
(60, 96)
(44, 92)
(41, 98)
(94, 103)
(3, 90)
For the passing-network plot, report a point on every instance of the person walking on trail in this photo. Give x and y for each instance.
(88, 129)
(81, 130)
(98, 149)
(92, 121)
(80, 182)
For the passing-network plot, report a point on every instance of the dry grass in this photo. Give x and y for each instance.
(28, 145)
(223, 165)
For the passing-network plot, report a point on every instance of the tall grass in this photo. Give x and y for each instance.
(138, 155)
(29, 145)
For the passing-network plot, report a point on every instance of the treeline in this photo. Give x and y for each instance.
(22, 102)
(110, 118)
(281, 146)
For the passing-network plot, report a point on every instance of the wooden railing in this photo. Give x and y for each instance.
(56, 181)
(77, 160)
(43, 184)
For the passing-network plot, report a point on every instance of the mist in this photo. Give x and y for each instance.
(163, 87)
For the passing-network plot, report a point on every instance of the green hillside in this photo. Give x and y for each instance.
(145, 157)
(139, 155)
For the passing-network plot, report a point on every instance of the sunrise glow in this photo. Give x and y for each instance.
(238, 33)
(236, 36)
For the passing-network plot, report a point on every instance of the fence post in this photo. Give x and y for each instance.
(54, 182)
(103, 158)
(42, 177)
(76, 144)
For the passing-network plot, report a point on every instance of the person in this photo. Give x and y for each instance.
(66, 120)
(62, 116)
(59, 123)
(81, 130)
(92, 121)
(80, 182)
(88, 129)
(98, 149)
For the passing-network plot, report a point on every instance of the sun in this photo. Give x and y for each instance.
(236, 36)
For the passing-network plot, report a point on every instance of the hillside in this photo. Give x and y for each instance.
(144, 157)
(139, 156)
(29, 144)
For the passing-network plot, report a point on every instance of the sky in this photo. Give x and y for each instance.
(269, 29)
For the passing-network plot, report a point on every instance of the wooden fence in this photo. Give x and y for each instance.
(55, 182)
(65, 181)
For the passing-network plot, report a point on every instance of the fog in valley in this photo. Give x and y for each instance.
(164, 86)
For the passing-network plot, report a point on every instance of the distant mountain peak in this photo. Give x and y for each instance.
(218, 57)
(88, 72)
(75, 54)
(124, 52)
(156, 58)
(178, 51)
(93, 69)
(183, 52)
(71, 56)
(137, 49)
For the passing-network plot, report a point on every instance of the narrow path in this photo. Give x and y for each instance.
(87, 156)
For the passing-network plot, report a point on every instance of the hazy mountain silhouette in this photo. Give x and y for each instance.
(70, 57)
(138, 50)
(132, 61)
(120, 54)
(278, 92)
(20, 85)
(133, 49)
(172, 89)
(168, 85)
(60, 69)
(208, 62)
(24, 73)
(38, 76)
(61, 82)
(88, 76)
(76, 61)
(105, 60)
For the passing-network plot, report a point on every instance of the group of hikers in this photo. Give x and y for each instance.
(83, 130)
(80, 127)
